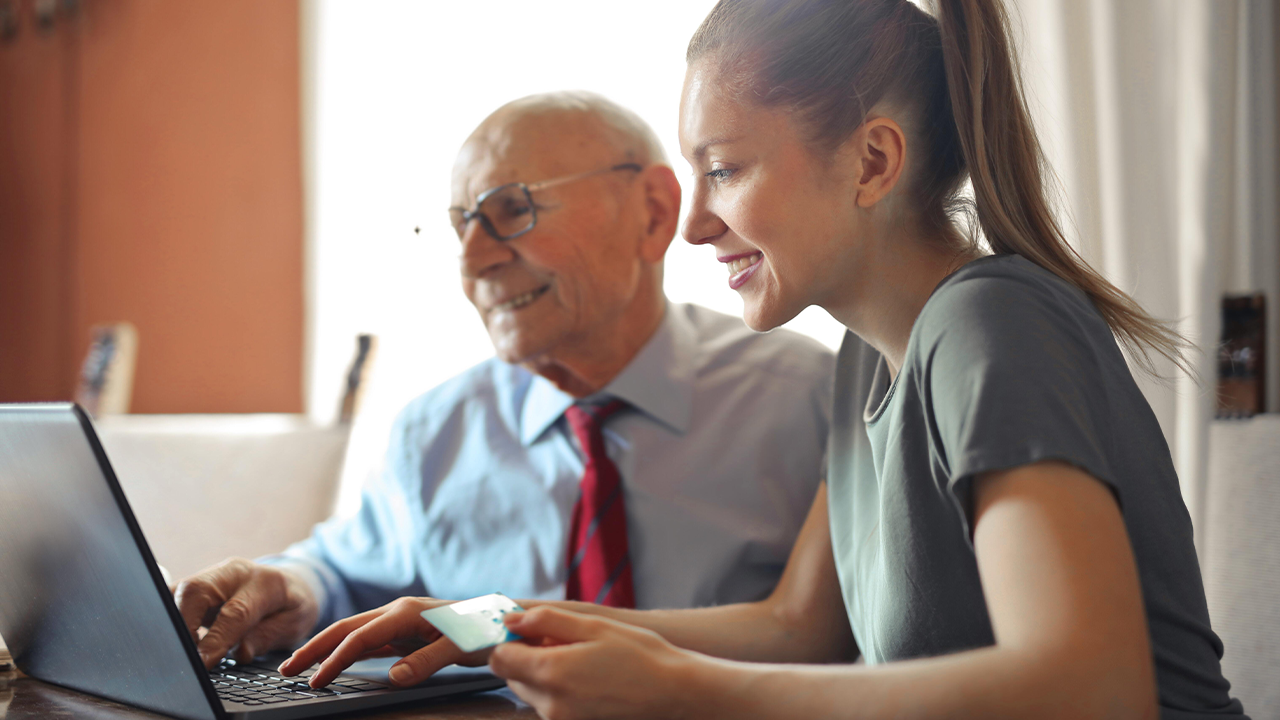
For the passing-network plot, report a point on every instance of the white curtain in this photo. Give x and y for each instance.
(1159, 118)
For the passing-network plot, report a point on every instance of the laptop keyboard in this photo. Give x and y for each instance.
(258, 685)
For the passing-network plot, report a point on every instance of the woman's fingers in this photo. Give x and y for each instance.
(424, 663)
(519, 662)
(584, 666)
(324, 642)
(401, 620)
(537, 699)
(559, 626)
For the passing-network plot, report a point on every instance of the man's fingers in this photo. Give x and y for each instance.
(424, 663)
(236, 617)
(559, 626)
(199, 596)
(195, 598)
(267, 635)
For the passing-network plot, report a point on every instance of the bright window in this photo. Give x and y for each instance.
(394, 88)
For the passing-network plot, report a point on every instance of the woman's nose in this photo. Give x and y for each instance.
(701, 226)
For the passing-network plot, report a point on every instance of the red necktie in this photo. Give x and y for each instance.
(599, 562)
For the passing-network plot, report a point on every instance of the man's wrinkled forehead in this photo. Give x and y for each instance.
(528, 147)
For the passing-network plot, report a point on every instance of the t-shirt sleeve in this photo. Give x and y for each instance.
(1011, 374)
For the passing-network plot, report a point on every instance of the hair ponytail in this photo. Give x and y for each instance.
(1007, 170)
(955, 75)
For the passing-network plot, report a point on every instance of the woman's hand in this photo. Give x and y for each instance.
(396, 628)
(580, 666)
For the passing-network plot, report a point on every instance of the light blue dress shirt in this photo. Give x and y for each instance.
(720, 453)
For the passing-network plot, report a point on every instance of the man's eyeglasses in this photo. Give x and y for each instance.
(508, 211)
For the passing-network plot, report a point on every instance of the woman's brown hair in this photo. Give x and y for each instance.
(955, 81)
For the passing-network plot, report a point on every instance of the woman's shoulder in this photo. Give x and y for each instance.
(1008, 294)
(994, 279)
(1005, 311)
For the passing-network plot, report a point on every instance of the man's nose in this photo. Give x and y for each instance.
(481, 252)
(701, 226)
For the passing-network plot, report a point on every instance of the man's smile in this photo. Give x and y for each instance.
(519, 301)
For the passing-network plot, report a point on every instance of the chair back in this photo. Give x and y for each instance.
(1241, 557)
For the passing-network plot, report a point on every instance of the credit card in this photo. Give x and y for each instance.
(474, 624)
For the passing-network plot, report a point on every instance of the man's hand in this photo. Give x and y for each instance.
(396, 628)
(250, 607)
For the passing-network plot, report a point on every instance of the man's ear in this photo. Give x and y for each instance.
(879, 151)
(662, 211)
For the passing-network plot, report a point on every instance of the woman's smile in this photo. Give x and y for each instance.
(741, 267)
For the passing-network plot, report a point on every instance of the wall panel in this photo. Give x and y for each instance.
(186, 210)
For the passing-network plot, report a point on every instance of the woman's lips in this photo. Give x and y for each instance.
(741, 267)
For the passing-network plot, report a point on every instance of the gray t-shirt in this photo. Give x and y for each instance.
(1006, 365)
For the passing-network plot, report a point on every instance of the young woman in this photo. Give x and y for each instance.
(1001, 533)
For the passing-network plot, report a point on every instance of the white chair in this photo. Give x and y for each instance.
(1241, 557)
(205, 487)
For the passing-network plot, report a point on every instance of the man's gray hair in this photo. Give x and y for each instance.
(633, 136)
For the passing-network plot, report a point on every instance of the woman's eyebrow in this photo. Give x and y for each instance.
(701, 150)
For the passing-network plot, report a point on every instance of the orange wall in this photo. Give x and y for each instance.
(34, 259)
(167, 192)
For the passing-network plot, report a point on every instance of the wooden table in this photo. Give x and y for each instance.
(22, 698)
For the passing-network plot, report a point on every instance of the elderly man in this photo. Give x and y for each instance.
(620, 449)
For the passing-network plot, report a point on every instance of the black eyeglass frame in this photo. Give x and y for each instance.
(528, 190)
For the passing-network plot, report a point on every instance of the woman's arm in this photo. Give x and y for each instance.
(1063, 596)
(803, 620)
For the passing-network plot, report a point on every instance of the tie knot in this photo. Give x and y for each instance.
(592, 416)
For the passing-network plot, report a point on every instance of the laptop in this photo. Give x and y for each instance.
(83, 604)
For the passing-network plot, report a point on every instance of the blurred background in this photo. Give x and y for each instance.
(203, 204)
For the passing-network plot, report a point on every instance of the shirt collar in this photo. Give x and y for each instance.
(658, 381)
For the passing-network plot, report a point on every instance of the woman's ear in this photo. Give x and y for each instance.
(878, 150)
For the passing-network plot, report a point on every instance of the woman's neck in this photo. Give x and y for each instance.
(892, 287)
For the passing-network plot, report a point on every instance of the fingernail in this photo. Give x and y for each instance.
(512, 618)
(400, 674)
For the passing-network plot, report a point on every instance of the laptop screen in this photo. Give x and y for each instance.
(82, 604)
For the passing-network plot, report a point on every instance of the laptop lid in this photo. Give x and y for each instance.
(82, 602)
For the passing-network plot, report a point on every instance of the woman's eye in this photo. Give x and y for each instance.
(720, 174)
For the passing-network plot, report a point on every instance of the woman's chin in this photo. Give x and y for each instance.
(762, 318)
